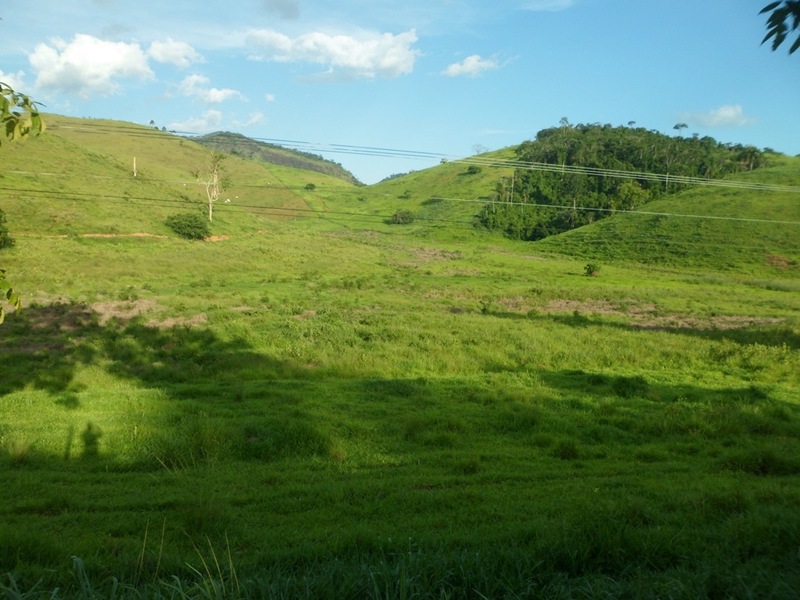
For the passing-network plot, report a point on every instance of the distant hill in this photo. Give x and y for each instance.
(245, 147)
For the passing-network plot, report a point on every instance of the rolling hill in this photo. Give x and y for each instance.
(79, 178)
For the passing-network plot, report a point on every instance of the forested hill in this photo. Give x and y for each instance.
(245, 147)
(572, 182)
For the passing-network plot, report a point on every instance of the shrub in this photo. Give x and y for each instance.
(6, 241)
(310, 187)
(473, 170)
(191, 226)
(402, 217)
(591, 270)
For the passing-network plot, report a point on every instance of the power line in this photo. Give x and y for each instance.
(474, 160)
(521, 205)
(651, 241)
(337, 216)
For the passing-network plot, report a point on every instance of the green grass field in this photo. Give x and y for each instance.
(322, 405)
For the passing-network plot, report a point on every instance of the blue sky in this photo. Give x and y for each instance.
(437, 76)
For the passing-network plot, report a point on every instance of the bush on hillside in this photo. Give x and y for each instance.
(191, 226)
(402, 217)
(6, 241)
(591, 270)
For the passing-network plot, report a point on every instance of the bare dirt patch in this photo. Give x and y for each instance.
(776, 260)
(434, 254)
(242, 309)
(124, 310)
(647, 316)
(726, 323)
(122, 235)
(307, 314)
(198, 319)
(217, 238)
(595, 307)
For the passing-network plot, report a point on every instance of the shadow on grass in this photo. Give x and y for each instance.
(42, 348)
(627, 387)
(776, 336)
(198, 374)
(737, 416)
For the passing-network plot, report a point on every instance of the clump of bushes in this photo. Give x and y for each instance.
(402, 217)
(191, 226)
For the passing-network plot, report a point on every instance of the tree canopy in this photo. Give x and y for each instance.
(582, 173)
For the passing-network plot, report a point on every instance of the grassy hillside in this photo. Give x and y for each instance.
(318, 404)
(714, 227)
(79, 179)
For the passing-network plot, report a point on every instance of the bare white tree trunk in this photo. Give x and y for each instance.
(212, 183)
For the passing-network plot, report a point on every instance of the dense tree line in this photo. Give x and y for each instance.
(569, 184)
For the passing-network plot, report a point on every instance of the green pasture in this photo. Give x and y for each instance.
(323, 405)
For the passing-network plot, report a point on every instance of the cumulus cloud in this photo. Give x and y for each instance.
(87, 65)
(197, 86)
(472, 66)
(365, 56)
(180, 54)
(14, 80)
(269, 97)
(728, 115)
(210, 121)
(548, 5)
(255, 118)
(288, 9)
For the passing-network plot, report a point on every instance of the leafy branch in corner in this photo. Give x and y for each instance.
(20, 118)
(785, 17)
(8, 294)
(19, 114)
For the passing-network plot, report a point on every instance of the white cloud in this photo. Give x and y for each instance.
(471, 66)
(14, 80)
(269, 97)
(210, 121)
(175, 53)
(548, 5)
(366, 56)
(87, 65)
(728, 115)
(255, 118)
(196, 85)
